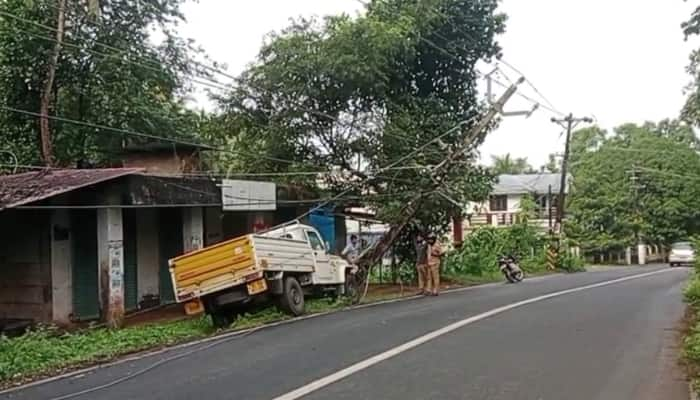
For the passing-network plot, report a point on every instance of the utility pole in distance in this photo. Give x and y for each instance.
(569, 123)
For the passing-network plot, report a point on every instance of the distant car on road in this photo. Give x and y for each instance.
(682, 253)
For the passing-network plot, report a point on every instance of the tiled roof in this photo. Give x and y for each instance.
(29, 187)
(532, 183)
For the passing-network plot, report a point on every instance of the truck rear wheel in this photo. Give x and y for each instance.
(221, 319)
(292, 299)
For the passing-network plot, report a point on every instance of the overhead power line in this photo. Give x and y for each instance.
(548, 106)
(218, 174)
(136, 133)
(114, 48)
(204, 81)
(532, 85)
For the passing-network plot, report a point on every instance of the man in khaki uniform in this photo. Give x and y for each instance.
(435, 253)
(422, 262)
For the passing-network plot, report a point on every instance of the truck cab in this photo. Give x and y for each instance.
(328, 268)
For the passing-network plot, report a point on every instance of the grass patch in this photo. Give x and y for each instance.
(48, 350)
(473, 279)
(691, 341)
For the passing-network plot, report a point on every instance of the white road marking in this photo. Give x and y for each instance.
(85, 371)
(344, 373)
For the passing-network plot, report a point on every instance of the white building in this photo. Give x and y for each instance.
(503, 205)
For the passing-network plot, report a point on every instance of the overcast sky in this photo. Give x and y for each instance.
(617, 60)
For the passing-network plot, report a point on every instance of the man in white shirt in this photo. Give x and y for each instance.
(352, 250)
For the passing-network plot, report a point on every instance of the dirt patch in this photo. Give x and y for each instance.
(172, 312)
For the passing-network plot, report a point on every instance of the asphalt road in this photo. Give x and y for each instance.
(612, 342)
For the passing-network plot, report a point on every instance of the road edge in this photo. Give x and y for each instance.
(232, 334)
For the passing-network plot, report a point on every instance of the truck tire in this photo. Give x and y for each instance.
(292, 299)
(221, 320)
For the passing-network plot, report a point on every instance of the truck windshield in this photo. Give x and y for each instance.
(315, 241)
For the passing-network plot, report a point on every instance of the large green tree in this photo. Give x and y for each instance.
(350, 95)
(109, 72)
(640, 183)
(691, 110)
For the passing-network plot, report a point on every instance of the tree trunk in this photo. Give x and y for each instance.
(46, 95)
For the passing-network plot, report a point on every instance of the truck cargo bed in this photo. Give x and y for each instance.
(236, 262)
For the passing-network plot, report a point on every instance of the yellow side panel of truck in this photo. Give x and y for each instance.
(212, 268)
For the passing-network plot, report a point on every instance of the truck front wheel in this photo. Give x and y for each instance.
(292, 300)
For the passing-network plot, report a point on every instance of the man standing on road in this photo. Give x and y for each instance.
(422, 262)
(435, 253)
(352, 250)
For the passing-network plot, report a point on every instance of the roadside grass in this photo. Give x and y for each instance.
(691, 341)
(473, 279)
(48, 350)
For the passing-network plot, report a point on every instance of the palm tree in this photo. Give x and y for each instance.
(506, 164)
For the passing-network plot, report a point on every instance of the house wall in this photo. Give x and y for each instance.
(25, 265)
(213, 226)
(148, 255)
(61, 271)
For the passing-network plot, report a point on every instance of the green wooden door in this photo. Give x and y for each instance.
(131, 291)
(86, 304)
(171, 245)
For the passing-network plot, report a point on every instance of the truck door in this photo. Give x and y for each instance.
(323, 272)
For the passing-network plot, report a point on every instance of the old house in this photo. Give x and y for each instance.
(87, 244)
(504, 203)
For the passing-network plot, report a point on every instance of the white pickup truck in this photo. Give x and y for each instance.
(283, 264)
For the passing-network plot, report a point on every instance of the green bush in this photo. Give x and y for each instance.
(571, 263)
(691, 293)
(46, 350)
(481, 249)
(691, 345)
(691, 342)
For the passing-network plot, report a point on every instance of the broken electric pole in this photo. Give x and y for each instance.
(437, 174)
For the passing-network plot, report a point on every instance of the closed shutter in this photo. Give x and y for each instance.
(86, 304)
(171, 245)
(131, 291)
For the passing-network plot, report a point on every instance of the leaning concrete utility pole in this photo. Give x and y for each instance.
(437, 175)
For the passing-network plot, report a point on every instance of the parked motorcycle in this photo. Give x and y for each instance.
(510, 269)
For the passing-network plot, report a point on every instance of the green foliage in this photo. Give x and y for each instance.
(508, 165)
(691, 294)
(481, 249)
(571, 263)
(109, 72)
(47, 349)
(609, 210)
(691, 110)
(691, 341)
(351, 95)
(553, 165)
(528, 209)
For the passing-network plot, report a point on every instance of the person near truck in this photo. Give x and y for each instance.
(352, 250)
(435, 254)
(421, 262)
